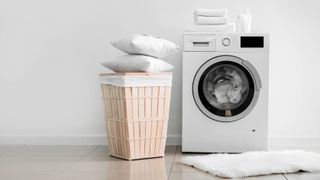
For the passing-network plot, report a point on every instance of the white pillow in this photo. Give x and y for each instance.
(146, 45)
(137, 63)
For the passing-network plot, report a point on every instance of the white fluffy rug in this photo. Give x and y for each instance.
(255, 163)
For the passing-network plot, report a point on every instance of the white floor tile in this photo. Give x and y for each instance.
(28, 164)
(179, 167)
(51, 151)
(95, 163)
(40, 175)
(75, 175)
(113, 168)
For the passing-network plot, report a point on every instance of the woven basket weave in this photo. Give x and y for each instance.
(136, 120)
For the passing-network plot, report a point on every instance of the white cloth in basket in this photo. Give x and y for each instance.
(137, 80)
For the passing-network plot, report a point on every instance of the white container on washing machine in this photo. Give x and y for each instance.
(225, 92)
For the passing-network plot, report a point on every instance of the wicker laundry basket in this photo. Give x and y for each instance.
(137, 111)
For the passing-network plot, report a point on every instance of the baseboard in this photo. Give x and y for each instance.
(54, 140)
(174, 140)
(69, 140)
(171, 140)
(294, 141)
(273, 141)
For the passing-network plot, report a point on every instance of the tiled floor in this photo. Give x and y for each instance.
(94, 163)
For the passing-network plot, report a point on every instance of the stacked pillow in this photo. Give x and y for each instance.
(144, 53)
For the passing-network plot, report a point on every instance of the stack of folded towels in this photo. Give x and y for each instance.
(211, 20)
(144, 54)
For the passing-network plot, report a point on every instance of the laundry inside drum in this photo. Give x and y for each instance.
(226, 87)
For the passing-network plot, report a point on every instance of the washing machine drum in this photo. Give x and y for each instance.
(226, 88)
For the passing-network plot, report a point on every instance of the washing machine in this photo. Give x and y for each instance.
(225, 92)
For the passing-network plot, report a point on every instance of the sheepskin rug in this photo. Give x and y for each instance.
(255, 163)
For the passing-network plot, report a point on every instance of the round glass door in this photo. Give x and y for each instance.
(226, 88)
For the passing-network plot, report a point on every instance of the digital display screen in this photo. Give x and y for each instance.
(251, 42)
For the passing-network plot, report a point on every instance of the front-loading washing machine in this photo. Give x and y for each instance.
(225, 92)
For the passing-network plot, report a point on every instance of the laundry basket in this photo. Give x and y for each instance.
(137, 111)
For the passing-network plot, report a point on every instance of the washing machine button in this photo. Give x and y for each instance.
(226, 41)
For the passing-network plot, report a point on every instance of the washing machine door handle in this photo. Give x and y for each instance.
(254, 74)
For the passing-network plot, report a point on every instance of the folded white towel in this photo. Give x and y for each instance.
(211, 20)
(227, 28)
(211, 12)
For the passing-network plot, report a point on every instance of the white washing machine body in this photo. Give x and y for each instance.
(242, 125)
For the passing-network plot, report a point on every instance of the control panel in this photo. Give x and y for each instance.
(231, 42)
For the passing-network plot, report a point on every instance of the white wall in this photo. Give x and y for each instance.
(50, 53)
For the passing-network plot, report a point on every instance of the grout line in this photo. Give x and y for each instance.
(285, 176)
(175, 154)
(73, 164)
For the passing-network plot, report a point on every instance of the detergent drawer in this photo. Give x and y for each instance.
(201, 42)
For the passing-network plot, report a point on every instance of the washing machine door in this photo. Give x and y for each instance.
(226, 88)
